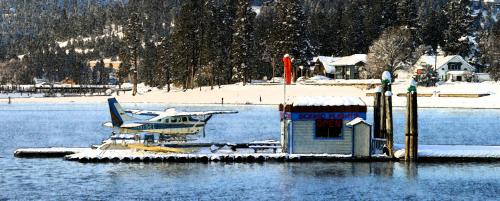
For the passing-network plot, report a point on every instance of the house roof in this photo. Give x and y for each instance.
(350, 60)
(356, 121)
(328, 101)
(327, 63)
(441, 60)
(325, 104)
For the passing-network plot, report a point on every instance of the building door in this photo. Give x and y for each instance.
(361, 140)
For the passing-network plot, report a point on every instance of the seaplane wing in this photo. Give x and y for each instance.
(144, 112)
(169, 122)
(130, 125)
(206, 114)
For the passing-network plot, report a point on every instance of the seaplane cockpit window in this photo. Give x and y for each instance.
(173, 120)
(184, 119)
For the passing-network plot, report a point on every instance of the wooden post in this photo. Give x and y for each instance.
(414, 126)
(383, 114)
(408, 126)
(411, 147)
(389, 129)
(386, 119)
(411, 142)
(376, 113)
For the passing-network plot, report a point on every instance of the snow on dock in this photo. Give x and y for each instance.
(96, 156)
(439, 153)
(426, 153)
(49, 152)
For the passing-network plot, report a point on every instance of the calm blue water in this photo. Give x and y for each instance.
(79, 125)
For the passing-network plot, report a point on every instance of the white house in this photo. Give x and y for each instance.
(452, 67)
(347, 67)
(324, 65)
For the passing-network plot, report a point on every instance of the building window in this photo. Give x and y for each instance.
(328, 128)
(454, 66)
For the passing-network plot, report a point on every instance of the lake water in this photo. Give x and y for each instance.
(79, 125)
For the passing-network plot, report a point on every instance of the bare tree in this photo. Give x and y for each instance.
(390, 52)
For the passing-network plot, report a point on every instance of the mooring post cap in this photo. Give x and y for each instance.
(413, 82)
(386, 75)
(413, 86)
(388, 93)
(378, 89)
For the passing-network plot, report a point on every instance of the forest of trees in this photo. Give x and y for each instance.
(192, 43)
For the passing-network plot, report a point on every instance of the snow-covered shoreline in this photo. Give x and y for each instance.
(257, 94)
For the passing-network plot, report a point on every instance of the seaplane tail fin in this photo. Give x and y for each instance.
(118, 115)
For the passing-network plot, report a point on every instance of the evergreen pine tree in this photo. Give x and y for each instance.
(432, 30)
(265, 36)
(164, 64)
(459, 20)
(133, 38)
(293, 35)
(389, 13)
(149, 64)
(185, 43)
(354, 39)
(407, 13)
(243, 42)
(373, 21)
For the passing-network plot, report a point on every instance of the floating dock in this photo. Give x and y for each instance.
(50, 152)
(427, 153)
(454, 95)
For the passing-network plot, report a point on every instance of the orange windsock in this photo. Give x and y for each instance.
(287, 63)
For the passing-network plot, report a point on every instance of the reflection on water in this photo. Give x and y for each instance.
(41, 178)
(34, 125)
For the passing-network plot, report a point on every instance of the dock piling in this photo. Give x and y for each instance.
(411, 142)
(386, 113)
(376, 113)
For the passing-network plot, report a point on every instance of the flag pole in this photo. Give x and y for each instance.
(284, 88)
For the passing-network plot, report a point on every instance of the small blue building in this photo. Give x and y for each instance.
(325, 125)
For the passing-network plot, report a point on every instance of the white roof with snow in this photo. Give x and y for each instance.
(327, 63)
(328, 101)
(350, 60)
(356, 121)
(441, 60)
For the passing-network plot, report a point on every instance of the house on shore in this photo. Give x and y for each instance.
(107, 63)
(348, 67)
(323, 66)
(326, 125)
(452, 67)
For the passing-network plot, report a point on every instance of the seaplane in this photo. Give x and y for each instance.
(166, 123)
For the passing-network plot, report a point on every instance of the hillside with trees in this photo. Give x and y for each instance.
(193, 43)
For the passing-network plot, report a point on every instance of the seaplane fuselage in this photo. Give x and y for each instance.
(168, 122)
(169, 126)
